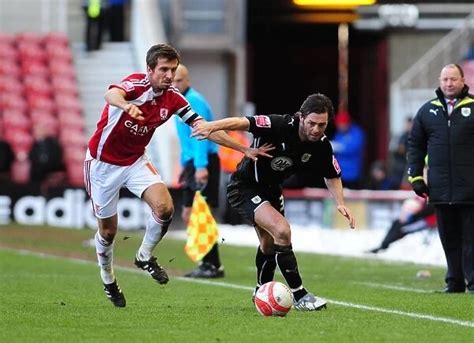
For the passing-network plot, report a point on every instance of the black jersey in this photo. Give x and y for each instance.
(290, 155)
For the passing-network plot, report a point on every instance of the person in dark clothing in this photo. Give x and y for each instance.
(397, 172)
(95, 13)
(378, 178)
(255, 189)
(46, 155)
(443, 129)
(6, 159)
(116, 20)
(200, 170)
(415, 215)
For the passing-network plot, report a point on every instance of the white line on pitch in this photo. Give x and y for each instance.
(397, 288)
(248, 288)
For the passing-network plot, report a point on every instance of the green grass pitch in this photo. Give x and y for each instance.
(50, 291)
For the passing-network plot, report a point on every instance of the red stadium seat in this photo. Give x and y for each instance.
(20, 171)
(74, 154)
(75, 173)
(40, 102)
(11, 85)
(49, 121)
(17, 120)
(12, 100)
(7, 38)
(38, 85)
(34, 69)
(20, 140)
(30, 37)
(58, 53)
(29, 52)
(9, 68)
(68, 103)
(72, 122)
(8, 52)
(72, 137)
(62, 69)
(57, 38)
(66, 86)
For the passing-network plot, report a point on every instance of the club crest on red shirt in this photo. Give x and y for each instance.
(163, 113)
(263, 121)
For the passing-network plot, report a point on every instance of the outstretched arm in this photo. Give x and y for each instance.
(203, 129)
(116, 97)
(334, 186)
(213, 130)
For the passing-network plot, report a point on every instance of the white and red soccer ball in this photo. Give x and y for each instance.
(273, 299)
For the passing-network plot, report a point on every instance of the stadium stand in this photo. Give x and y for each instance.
(468, 67)
(38, 85)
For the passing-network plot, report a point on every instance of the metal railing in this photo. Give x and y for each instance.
(416, 85)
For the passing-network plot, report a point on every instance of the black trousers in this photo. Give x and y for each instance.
(456, 231)
(94, 30)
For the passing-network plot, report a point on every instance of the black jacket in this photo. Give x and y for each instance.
(449, 143)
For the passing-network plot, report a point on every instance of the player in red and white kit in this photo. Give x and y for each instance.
(116, 158)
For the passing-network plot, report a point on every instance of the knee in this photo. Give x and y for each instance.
(164, 211)
(108, 228)
(283, 234)
(108, 233)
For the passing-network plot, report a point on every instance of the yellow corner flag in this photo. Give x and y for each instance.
(202, 230)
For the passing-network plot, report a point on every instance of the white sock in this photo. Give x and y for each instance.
(156, 228)
(105, 257)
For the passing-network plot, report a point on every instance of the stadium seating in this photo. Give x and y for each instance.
(38, 86)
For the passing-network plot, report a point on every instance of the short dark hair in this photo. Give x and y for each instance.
(161, 51)
(317, 103)
(457, 66)
(460, 69)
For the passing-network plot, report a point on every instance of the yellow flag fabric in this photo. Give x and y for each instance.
(202, 230)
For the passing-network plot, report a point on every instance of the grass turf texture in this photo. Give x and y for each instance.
(46, 299)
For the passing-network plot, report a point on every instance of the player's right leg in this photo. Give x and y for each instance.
(264, 259)
(273, 221)
(103, 182)
(104, 245)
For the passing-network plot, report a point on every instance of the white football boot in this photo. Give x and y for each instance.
(310, 303)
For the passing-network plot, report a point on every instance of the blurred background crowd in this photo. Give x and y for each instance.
(377, 60)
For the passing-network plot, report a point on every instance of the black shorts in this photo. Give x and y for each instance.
(211, 191)
(245, 198)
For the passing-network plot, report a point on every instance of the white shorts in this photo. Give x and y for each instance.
(104, 180)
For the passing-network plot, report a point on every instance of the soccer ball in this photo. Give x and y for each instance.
(273, 299)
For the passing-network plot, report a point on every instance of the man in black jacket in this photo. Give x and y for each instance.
(443, 129)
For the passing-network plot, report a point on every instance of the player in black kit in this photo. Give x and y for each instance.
(255, 189)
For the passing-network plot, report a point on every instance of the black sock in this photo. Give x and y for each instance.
(266, 265)
(212, 257)
(394, 234)
(286, 260)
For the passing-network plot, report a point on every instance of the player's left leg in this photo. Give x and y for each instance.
(159, 199)
(144, 181)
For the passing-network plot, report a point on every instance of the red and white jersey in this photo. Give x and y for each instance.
(120, 139)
